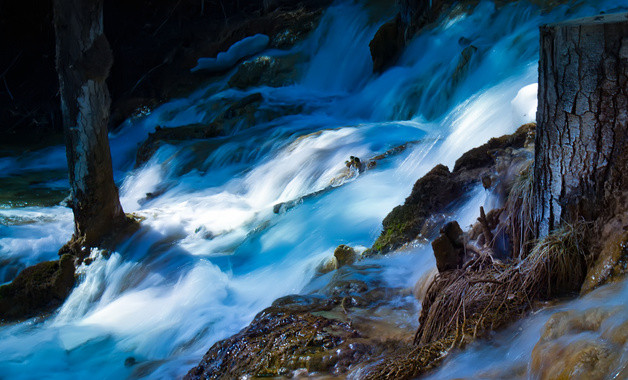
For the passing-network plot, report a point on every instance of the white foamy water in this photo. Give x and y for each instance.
(211, 252)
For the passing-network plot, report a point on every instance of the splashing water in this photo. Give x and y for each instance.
(212, 252)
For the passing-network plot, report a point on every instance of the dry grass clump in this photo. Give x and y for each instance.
(485, 295)
(519, 210)
(557, 264)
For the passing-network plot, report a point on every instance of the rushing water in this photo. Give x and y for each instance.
(211, 252)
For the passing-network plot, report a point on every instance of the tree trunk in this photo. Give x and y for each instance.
(580, 160)
(83, 62)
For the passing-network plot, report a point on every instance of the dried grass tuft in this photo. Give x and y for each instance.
(464, 304)
(519, 210)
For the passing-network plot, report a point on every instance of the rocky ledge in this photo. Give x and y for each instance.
(357, 326)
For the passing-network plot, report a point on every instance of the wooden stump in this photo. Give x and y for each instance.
(580, 160)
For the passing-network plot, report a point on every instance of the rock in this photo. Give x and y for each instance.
(581, 359)
(439, 188)
(463, 64)
(617, 334)
(581, 344)
(416, 14)
(485, 155)
(225, 60)
(345, 255)
(243, 108)
(386, 46)
(37, 289)
(449, 248)
(432, 193)
(487, 181)
(165, 135)
(575, 322)
(611, 263)
(355, 163)
(264, 71)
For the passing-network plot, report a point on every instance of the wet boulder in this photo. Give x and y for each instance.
(345, 255)
(37, 289)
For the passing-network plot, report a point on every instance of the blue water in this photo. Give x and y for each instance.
(211, 253)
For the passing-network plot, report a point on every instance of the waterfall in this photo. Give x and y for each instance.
(212, 252)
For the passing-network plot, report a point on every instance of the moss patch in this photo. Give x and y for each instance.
(439, 188)
(37, 289)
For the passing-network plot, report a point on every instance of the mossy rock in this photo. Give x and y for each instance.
(485, 155)
(437, 190)
(430, 194)
(297, 332)
(37, 289)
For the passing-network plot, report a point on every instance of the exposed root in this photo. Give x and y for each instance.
(464, 304)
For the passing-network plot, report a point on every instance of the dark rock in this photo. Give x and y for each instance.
(355, 163)
(37, 289)
(464, 42)
(487, 181)
(327, 333)
(386, 45)
(416, 14)
(130, 361)
(485, 155)
(449, 247)
(445, 254)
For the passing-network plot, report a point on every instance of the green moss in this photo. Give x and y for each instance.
(37, 289)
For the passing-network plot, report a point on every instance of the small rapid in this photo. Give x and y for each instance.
(214, 249)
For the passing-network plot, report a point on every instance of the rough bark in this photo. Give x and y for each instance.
(83, 59)
(581, 140)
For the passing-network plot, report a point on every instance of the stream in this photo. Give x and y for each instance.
(212, 252)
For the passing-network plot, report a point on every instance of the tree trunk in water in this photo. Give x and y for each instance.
(83, 62)
(581, 153)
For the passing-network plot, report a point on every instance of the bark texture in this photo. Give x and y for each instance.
(84, 59)
(580, 161)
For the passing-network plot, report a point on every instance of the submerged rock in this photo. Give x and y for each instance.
(37, 289)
